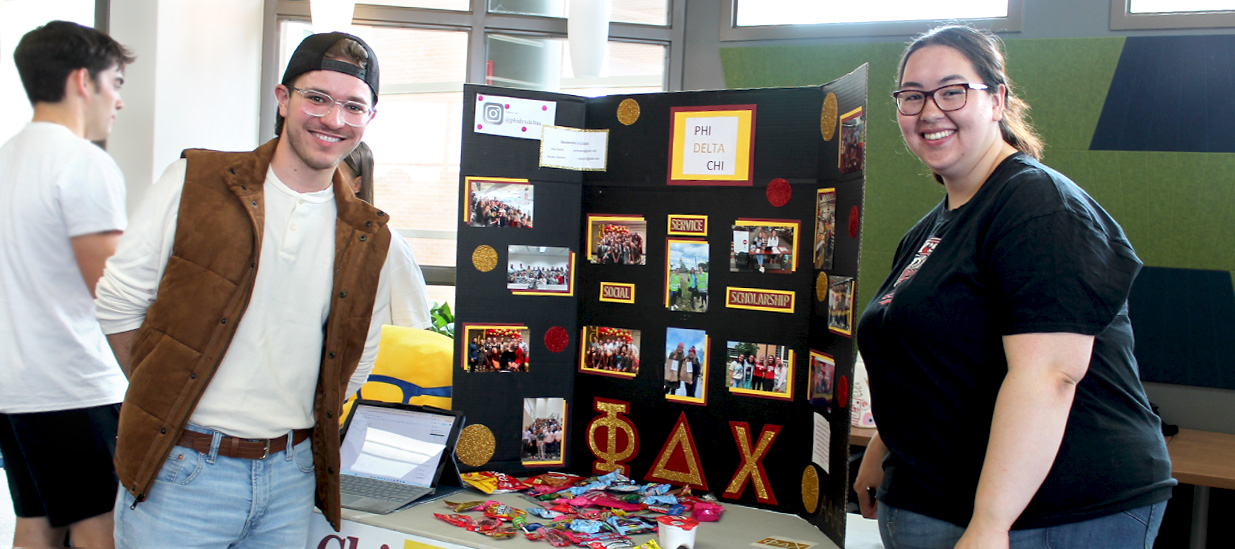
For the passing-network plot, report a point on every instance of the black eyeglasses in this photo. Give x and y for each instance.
(948, 98)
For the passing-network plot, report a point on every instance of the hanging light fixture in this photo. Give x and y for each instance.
(332, 15)
(587, 30)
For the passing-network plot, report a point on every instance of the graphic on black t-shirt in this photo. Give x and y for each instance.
(913, 267)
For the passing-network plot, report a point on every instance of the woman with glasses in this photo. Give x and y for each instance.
(999, 348)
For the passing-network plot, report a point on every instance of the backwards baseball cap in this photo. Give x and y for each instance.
(310, 56)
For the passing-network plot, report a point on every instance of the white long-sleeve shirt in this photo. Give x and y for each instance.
(265, 383)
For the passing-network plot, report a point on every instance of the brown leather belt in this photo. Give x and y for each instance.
(245, 448)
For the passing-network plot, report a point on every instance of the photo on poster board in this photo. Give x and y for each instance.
(822, 377)
(686, 365)
(495, 348)
(686, 275)
(617, 239)
(759, 369)
(609, 351)
(540, 270)
(825, 227)
(498, 202)
(840, 305)
(544, 431)
(852, 141)
(764, 246)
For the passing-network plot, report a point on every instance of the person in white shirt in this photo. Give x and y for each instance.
(409, 298)
(61, 214)
(246, 303)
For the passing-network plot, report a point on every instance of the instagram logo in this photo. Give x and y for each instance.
(494, 113)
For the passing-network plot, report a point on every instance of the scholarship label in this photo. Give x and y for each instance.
(760, 299)
(688, 225)
(712, 145)
(616, 292)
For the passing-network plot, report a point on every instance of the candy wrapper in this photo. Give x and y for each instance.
(707, 512)
(651, 544)
(491, 482)
(555, 537)
(468, 506)
(655, 489)
(606, 501)
(552, 482)
(585, 526)
(630, 526)
(544, 513)
(462, 521)
(669, 499)
(666, 509)
(610, 544)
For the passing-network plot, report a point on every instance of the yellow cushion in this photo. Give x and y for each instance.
(413, 367)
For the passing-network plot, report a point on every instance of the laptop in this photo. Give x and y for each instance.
(394, 454)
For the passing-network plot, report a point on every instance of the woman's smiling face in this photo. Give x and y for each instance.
(950, 143)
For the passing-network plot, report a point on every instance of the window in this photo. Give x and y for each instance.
(18, 19)
(428, 49)
(781, 19)
(1171, 14)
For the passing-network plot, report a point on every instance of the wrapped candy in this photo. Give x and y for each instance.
(491, 482)
(468, 506)
(707, 512)
(586, 526)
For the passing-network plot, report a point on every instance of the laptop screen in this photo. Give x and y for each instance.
(396, 445)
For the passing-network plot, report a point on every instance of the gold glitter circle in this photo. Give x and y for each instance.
(484, 258)
(475, 445)
(628, 111)
(810, 489)
(827, 118)
(821, 287)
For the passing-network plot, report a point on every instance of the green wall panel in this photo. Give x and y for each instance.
(1175, 207)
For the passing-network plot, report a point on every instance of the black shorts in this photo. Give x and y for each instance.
(59, 464)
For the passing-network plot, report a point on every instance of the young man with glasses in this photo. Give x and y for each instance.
(62, 212)
(245, 303)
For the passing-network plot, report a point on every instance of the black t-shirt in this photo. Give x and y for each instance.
(1030, 252)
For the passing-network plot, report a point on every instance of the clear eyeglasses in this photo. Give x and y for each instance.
(318, 104)
(948, 98)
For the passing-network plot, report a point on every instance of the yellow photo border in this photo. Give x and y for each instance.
(570, 284)
(467, 196)
(797, 230)
(593, 218)
(787, 395)
(742, 174)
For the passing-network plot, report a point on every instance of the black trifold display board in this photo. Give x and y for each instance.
(570, 358)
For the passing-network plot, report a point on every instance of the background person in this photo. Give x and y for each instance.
(62, 211)
(1004, 319)
(409, 298)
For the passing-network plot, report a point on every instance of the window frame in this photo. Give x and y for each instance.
(1122, 18)
(731, 32)
(478, 23)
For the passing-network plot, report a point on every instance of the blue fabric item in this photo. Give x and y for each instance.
(208, 500)
(901, 529)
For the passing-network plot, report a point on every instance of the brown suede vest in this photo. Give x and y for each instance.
(203, 294)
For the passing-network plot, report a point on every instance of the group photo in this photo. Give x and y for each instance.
(852, 141)
(759, 368)
(499, 204)
(764, 246)
(544, 430)
(617, 240)
(840, 304)
(611, 351)
(539, 269)
(497, 349)
(686, 364)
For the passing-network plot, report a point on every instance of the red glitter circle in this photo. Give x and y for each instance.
(556, 339)
(842, 392)
(779, 192)
(853, 222)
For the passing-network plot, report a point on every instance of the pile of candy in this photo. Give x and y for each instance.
(595, 513)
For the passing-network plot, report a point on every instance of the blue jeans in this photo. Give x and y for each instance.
(207, 500)
(901, 529)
